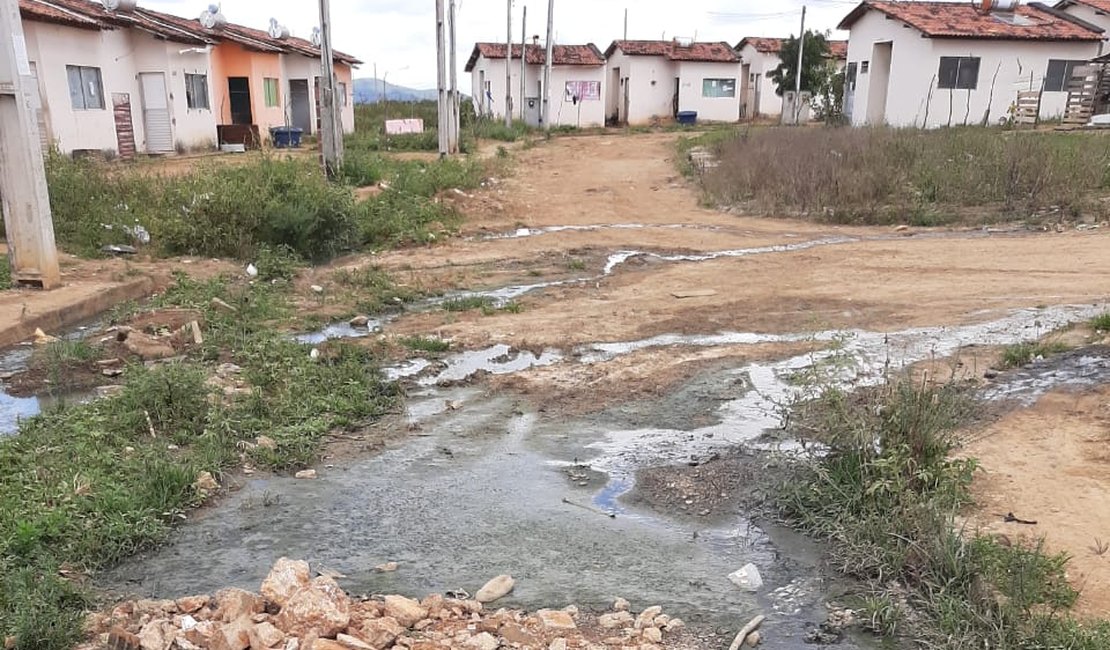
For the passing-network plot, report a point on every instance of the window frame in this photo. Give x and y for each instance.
(957, 79)
(341, 86)
(84, 75)
(191, 81)
(271, 92)
(1069, 66)
(724, 87)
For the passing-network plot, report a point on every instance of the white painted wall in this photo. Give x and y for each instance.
(193, 128)
(563, 113)
(912, 96)
(709, 109)
(53, 47)
(760, 86)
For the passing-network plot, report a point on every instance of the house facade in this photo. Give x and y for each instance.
(577, 83)
(933, 64)
(759, 57)
(1096, 12)
(652, 80)
(141, 81)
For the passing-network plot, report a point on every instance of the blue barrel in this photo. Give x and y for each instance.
(286, 137)
(688, 118)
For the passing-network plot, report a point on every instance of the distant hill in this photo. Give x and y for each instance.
(369, 91)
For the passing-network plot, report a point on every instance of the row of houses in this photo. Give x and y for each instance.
(113, 76)
(633, 82)
(906, 63)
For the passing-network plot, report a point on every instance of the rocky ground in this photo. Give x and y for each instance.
(295, 611)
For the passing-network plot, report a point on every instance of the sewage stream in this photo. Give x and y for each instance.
(483, 489)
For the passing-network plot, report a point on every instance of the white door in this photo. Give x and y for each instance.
(156, 112)
(40, 112)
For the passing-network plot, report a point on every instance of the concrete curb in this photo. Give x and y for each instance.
(17, 326)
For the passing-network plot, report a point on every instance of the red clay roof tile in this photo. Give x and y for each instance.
(702, 52)
(47, 12)
(963, 20)
(587, 54)
(762, 44)
(1097, 5)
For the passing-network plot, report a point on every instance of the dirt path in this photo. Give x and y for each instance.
(578, 206)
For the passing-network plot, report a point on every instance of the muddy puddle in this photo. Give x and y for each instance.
(489, 484)
(13, 409)
(1077, 369)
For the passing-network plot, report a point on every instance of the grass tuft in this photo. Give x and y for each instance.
(1101, 323)
(885, 498)
(468, 303)
(1020, 354)
(426, 344)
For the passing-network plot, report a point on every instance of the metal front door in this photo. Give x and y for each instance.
(533, 111)
(156, 112)
(300, 106)
(850, 91)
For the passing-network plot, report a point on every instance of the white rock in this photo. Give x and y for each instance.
(306, 474)
(483, 641)
(317, 288)
(252, 271)
(495, 589)
(558, 644)
(647, 617)
(747, 578)
(621, 605)
(653, 634)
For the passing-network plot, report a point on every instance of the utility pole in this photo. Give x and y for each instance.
(24, 198)
(453, 111)
(547, 61)
(798, 77)
(523, 68)
(441, 66)
(508, 66)
(626, 23)
(331, 130)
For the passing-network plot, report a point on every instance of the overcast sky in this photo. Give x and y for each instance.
(399, 35)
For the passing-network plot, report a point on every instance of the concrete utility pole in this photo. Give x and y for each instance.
(453, 110)
(331, 129)
(508, 65)
(523, 69)
(24, 199)
(798, 77)
(547, 62)
(441, 66)
(626, 23)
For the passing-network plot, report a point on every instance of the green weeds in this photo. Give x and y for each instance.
(468, 303)
(426, 344)
(1020, 354)
(85, 486)
(373, 289)
(5, 273)
(885, 498)
(1101, 323)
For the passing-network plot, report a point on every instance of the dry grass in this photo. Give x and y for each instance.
(908, 176)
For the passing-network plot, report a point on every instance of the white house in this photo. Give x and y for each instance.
(1096, 12)
(650, 80)
(105, 81)
(577, 82)
(931, 64)
(759, 56)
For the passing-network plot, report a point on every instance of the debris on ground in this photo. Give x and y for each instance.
(297, 612)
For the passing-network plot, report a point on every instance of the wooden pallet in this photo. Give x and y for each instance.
(1087, 84)
(1027, 108)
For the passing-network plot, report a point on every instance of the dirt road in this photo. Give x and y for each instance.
(644, 331)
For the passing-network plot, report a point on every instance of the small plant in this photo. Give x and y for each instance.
(1100, 547)
(467, 303)
(1020, 354)
(576, 265)
(511, 307)
(1100, 323)
(426, 344)
(5, 273)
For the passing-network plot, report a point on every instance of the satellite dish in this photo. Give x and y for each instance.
(277, 30)
(212, 19)
(315, 39)
(120, 5)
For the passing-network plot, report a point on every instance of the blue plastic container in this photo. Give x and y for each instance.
(286, 137)
(688, 118)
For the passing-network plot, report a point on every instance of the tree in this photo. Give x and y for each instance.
(815, 64)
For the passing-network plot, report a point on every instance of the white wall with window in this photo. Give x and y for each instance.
(903, 79)
(757, 92)
(710, 89)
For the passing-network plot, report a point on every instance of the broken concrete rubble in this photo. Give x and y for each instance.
(295, 613)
